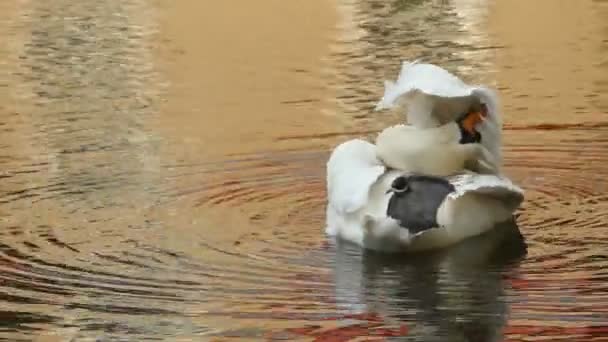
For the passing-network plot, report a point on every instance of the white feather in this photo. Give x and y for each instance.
(427, 79)
(357, 204)
(348, 190)
(433, 97)
(433, 151)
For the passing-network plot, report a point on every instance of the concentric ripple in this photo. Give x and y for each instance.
(162, 174)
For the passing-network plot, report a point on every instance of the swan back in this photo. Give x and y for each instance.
(433, 151)
(478, 203)
(474, 204)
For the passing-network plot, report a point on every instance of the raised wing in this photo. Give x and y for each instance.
(424, 78)
(351, 170)
(433, 96)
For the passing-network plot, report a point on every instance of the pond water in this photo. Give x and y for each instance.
(162, 170)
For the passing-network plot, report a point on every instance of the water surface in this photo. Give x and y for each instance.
(162, 171)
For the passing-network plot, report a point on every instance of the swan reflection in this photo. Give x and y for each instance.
(457, 294)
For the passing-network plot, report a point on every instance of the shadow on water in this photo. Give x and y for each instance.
(458, 293)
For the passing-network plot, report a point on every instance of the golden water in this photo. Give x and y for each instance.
(162, 170)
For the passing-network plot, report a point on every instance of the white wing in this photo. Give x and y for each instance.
(351, 170)
(432, 95)
(425, 78)
(491, 186)
(478, 203)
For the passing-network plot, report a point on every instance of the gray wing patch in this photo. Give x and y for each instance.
(416, 199)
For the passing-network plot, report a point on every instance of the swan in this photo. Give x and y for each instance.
(433, 97)
(391, 210)
(428, 184)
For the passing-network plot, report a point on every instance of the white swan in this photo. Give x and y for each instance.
(433, 97)
(389, 197)
(389, 210)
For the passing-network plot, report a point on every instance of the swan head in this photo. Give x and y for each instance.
(415, 200)
(469, 121)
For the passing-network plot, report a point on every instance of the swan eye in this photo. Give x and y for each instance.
(400, 184)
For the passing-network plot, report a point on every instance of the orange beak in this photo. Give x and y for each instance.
(473, 118)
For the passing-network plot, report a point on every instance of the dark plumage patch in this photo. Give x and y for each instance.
(415, 201)
(469, 138)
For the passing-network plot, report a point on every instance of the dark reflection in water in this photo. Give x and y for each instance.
(14, 321)
(456, 295)
(162, 171)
